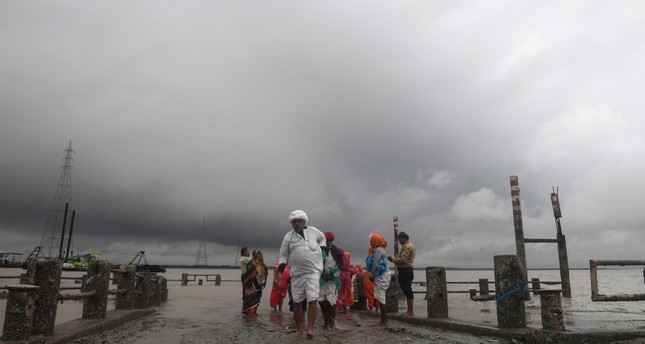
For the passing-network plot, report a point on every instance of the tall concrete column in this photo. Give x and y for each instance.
(517, 221)
(509, 283)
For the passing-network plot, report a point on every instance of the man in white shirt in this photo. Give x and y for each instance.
(301, 250)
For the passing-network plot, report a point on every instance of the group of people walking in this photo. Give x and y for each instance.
(313, 271)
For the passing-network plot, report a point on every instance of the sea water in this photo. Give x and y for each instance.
(580, 312)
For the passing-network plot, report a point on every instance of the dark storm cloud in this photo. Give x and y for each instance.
(212, 121)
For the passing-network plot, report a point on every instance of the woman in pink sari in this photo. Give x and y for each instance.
(279, 289)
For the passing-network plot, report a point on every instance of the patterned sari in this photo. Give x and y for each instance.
(254, 282)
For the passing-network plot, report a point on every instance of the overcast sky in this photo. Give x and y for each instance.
(238, 112)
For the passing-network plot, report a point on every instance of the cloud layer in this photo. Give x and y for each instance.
(238, 113)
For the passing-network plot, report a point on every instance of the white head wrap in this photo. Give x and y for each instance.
(297, 215)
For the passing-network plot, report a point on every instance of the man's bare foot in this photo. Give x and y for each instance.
(408, 314)
(310, 334)
(298, 333)
(380, 324)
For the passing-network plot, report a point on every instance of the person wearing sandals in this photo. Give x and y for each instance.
(403, 263)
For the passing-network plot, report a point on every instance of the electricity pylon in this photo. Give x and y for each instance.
(202, 259)
(56, 215)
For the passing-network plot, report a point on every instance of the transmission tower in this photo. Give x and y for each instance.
(63, 196)
(201, 251)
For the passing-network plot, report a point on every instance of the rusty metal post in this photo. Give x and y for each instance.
(218, 279)
(509, 283)
(483, 287)
(19, 312)
(125, 296)
(184, 279)
(551, 310)
(98, 281)
(517, 222)
(437, 292)
(47, 273)
(360, 303)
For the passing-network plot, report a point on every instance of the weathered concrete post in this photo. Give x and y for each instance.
(483, 287)
(184, 279)
(360, 303)
(200, 282)
(437, 292)
(392, 295)
(472, 293)
(509, 283)
(218, 279)
(125, 296)
(535, 284)
(157, 294)
(98, 281)
(142, 291)
(47, 273)
(19, 312)
(164, 288)
(551, 310)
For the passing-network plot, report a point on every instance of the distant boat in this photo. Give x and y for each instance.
(145, 267)
(10, 260)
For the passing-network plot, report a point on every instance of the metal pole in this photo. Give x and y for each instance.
(69, 239)
(62, 235)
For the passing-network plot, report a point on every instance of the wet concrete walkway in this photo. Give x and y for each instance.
(275, 327)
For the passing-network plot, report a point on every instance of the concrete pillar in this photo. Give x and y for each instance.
(47, 273)
(142, 291)
(509, 283)
(392, 295)
(164, 288)
(551, 310)
(218, 280)
(535, 284)
(483, 287)
(472, 293)
(360, 303)
(564, 263)
(19, 312)
(184, 279)
(98, 280)
(156, 293)
(437, 292)
(125, 297)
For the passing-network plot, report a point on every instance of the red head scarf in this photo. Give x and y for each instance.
(329, 236)
(377, 240)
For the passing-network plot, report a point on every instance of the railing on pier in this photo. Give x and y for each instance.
(593, 270)
(32, 305)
